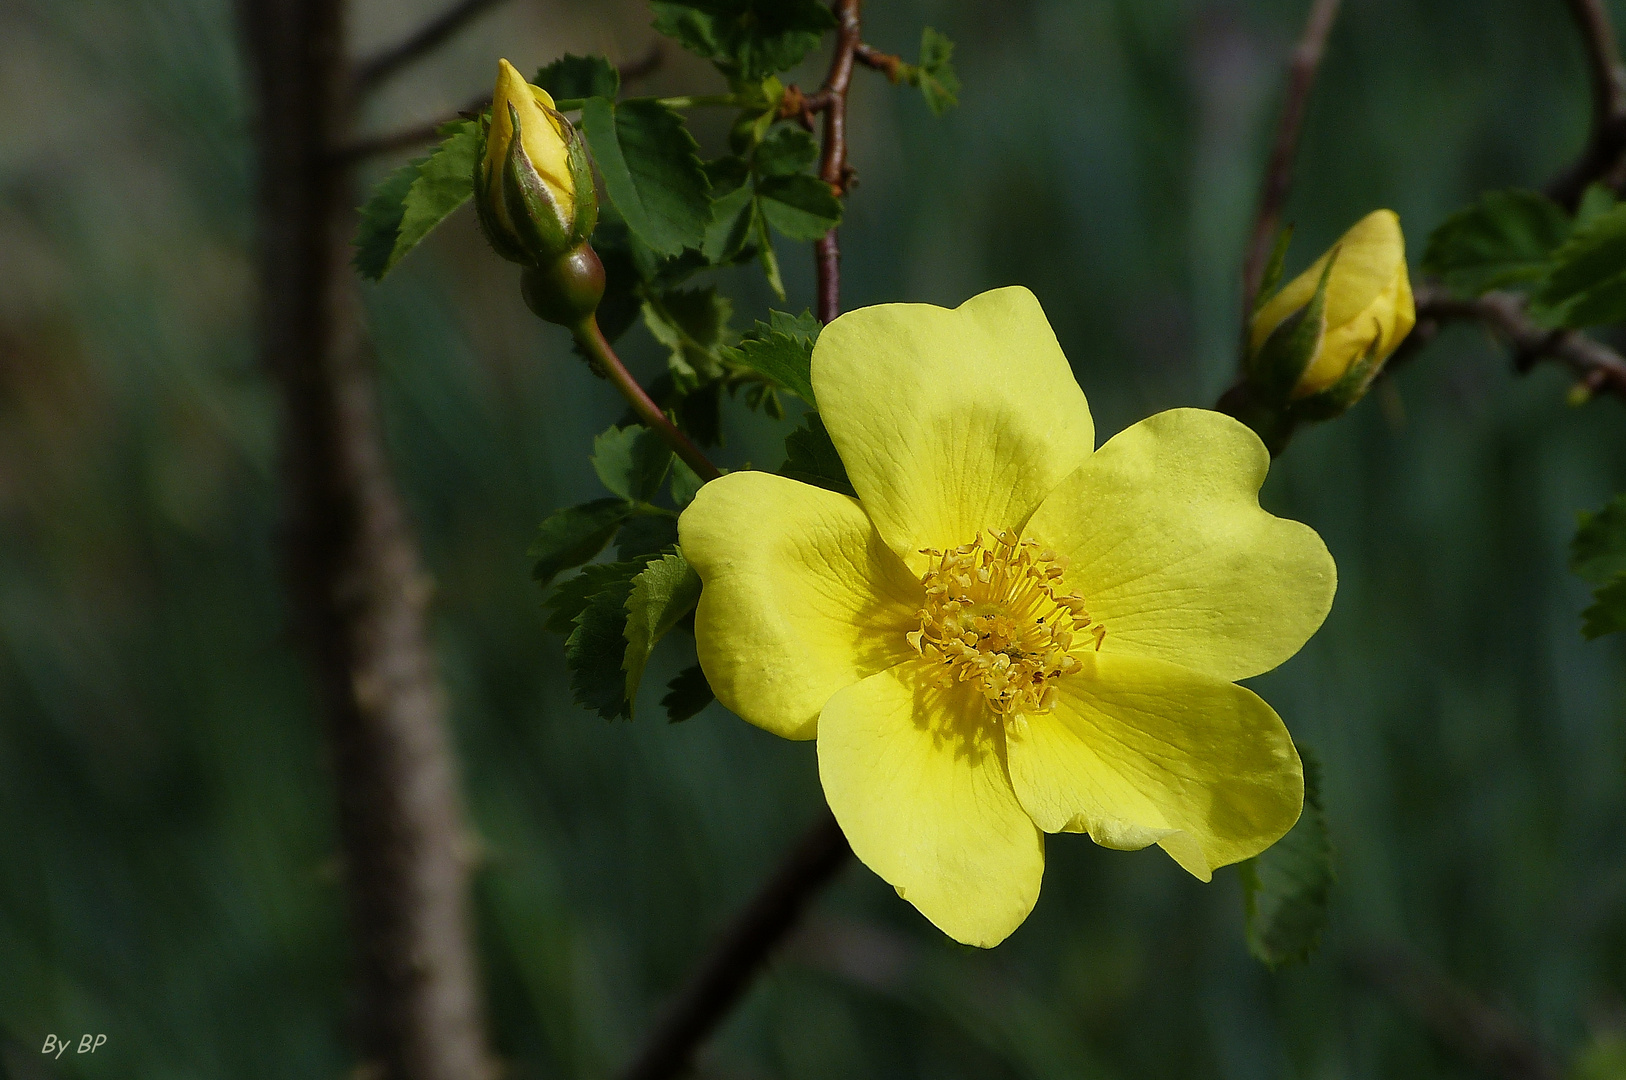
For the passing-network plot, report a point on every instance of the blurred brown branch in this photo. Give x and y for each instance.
(369, 73)
(420, 134)
(357, 588)
(1607, 141)
(1486, 1037)
(1597, 366)
(1278, 183)
(725, 974)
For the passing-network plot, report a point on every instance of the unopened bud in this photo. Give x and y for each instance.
(533, 183)
(1326, 334)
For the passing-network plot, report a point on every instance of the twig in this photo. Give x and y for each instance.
(1607, 140)
(1481, 1034)
(357, 589)
(419, 134)
(1279, 172)
(832, 100)
(592, 339)
(1600, 368)
(886, 63)
(722, 978)
(369, 73)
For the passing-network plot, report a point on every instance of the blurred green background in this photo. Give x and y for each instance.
(167, 849)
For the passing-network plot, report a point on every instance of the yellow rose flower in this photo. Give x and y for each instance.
(1010, 632)
(1368, 302)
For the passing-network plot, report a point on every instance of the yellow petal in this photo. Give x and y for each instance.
(916, 776)
(1140, 751)
(541, 135)
(1172, 554)
(800, 597)
(950, 421)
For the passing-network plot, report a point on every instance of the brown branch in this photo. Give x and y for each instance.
(1278, 183)
(1607, 141)
(1597, 366)
(357, 589)
(1481, 1034)
(833, 169)
(370, 73)
(886, 63)
(725, 974)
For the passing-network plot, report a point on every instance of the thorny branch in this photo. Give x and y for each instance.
(1607, 141)
(1598, 367)
(357, 587)
(1278, 183)
(833, 159)
(370, 73)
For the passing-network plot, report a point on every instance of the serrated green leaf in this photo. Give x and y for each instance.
(407, 205)
(1506, 238)
(631, 461)
(1607, 615)
(786, 151)
(687, 694)
(651, 172)
(686, 483)
(596, 645)
(749, 39)
(646, 535)
(570, 596)
(802, 207)
(575, 535)
(732, 217)
(664, 592)
(1596, 201)
(765, 252)
(782, 350)
(580, 77)
(811, 457)
(939, 84)
(1598, 551)
(380, 222)
(1586, 285)
(1285, 887)
(693, 325)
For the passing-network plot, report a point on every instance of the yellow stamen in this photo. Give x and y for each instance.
(993, 618)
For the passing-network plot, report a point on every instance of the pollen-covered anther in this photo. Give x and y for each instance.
(994, 618)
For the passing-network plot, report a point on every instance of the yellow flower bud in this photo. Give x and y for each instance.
(1369, 308)
(535, 199)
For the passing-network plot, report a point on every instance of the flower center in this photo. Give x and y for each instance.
(993, 618)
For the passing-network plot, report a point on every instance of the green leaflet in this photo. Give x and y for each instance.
(575, 535)
(935, 75)
(412, 200)
(1598, 555)
(687, 694)
(572, 77)
(651, 172)
(693, 325)
(631, 461)
(1587, 283)
(662, 594)
(1285, 887)
(749, 39)
(811, 457)
(782, 350)
(1506, 238)
(801, 206)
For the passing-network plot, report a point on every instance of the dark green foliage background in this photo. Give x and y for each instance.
(167, 865)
